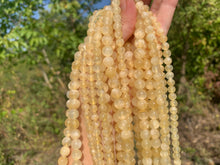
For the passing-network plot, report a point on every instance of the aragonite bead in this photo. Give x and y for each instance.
(73, 103)
(72, 113)
(62, 161)
(65, 151)
(77, 162)
(75, 134)
(66, 141)
(108, 61)
(147, 161)
(76, 144)
(76, 154)
(107, 51)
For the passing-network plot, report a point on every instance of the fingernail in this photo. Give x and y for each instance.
(123, 5)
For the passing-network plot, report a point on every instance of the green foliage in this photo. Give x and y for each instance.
(194, 37)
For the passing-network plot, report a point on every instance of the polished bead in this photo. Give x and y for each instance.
(72, 113)
(73, 94)
(62, 161)
(107, 51)
(139, 84)
(139, 33)
(76, 154)
(66, 141)
(155, 143)
(75, 134)
(108, 61)
(73, 103)
(147, 161)
(145, 134)
(77, 162)
(74, 85)
(76, 144)
(65, 151)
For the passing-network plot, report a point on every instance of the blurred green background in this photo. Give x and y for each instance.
(37, 45)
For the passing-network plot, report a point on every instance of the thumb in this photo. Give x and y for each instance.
(128, 15)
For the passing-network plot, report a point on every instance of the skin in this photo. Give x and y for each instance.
(163, 10)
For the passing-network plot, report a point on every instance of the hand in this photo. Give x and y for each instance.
(162, 9)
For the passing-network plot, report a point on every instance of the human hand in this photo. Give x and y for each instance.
(162, 9)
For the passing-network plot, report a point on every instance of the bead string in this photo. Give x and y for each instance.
(126, 93)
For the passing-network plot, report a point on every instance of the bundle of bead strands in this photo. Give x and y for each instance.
(125, 92)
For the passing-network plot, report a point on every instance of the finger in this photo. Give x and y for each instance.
(147, 2)
(128, 14)
(155, 6)
(165, 13)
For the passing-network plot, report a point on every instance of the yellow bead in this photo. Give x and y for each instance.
(62, 161)
(139, 33)
(139, 84)
(146, 144)
(65, 151)
(76, 154)
(108, 61)
(107, 51)
(75, 134)
(66, 141)
(73, 94)
(145, 134)
(119, 104)
(154, 124)
(143, 115)
(150, 37)
(77, 162)
(147, 161)
(110, 72)
(76, 144)
(107, 40)
(155, 143)
(154, 133)
(142, 104)
(74, 85)
(73, 104)
(72, 114)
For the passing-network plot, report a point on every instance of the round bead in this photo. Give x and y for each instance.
(145, 134)
(74, 85)
(62, 161)
(107, 40)
(77, 162)
(73, 94)
(76, 144)
(107, 51)
(66, 141)
(72, 113)
(146, 144)
(154, 124)
(155, 143)
(147, 161)
(76, 154)
(108, 61)
(116, 93)
(119, 104)
(65, 151)
(75, 134)
(139, 33)
(139, 84)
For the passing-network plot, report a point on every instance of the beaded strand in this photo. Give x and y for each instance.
(125, 93)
